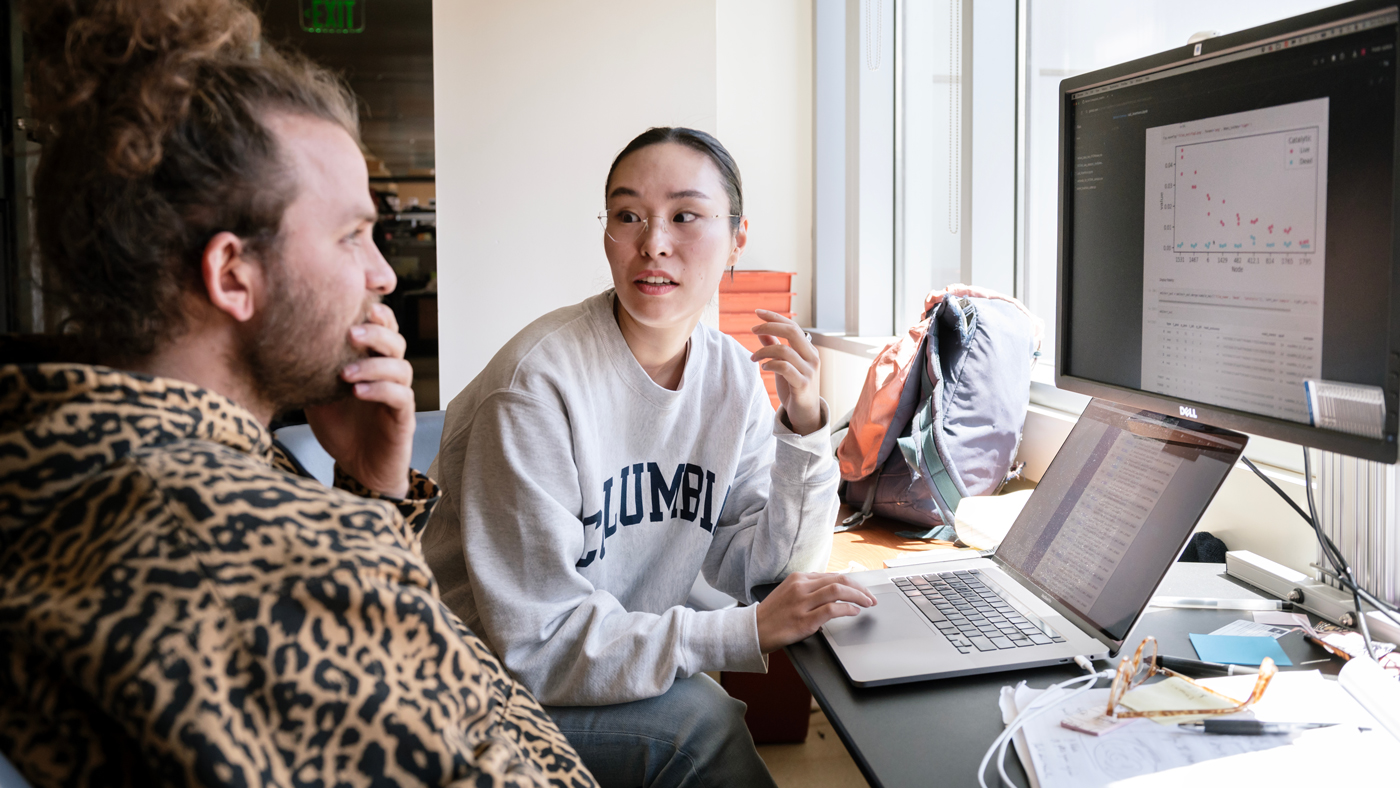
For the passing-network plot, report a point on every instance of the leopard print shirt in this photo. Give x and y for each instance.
(176, 609)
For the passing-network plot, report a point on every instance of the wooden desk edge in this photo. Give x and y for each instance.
(874, 543)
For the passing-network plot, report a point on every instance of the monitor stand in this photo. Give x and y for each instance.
(1358, 503)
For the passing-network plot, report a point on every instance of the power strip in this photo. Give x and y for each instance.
(1304, 592)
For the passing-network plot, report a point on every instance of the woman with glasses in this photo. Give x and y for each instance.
(615, 449)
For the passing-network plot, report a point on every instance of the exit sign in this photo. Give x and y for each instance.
(333, 16)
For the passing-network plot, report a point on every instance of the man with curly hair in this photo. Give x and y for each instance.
(175, 606)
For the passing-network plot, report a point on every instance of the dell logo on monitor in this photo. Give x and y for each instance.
(1187, 413)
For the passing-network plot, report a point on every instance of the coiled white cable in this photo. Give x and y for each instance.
(1047, 700)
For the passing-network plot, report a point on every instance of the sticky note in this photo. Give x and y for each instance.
(1238, 649)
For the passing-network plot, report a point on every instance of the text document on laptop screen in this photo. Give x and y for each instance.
(1115, 508)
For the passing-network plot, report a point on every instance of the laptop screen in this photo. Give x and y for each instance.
(1115, 508)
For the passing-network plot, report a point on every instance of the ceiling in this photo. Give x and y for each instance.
(389, 66)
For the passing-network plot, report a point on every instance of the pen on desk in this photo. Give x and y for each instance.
(1219, 604)
(1250, 727)
(1183, 665)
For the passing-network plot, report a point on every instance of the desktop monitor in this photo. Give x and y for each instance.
(1227, 226)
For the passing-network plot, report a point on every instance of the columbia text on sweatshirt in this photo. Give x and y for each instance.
(580, 501)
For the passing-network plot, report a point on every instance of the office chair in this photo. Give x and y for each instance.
(9, 775)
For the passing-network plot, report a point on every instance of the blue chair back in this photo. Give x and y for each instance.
(307, 450)
(9, 775)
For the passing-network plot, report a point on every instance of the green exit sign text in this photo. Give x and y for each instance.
(333, 16)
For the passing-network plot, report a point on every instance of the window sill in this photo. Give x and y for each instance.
(868, 347)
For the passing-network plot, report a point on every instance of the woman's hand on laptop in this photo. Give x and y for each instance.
(803, 602)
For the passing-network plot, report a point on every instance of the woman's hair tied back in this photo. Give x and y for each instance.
(695, 140)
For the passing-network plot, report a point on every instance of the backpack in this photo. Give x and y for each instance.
(941, 413)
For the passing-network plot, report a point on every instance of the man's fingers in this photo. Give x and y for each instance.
(396, 396)
(384, 316)
(378, 339)
(368, 370)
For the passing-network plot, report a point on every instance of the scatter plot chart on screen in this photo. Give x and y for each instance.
(1257, 192)
(1234, 247)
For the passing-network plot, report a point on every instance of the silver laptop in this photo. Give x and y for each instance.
(1072, 576)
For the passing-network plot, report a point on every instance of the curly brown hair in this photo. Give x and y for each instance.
(150, 115)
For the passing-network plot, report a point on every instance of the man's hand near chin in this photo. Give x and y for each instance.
(370, 433)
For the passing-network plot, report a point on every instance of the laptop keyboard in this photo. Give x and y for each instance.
(973, 613)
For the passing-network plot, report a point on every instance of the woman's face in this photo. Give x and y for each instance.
(666, 272)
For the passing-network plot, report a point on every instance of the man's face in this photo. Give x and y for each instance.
(325, 274)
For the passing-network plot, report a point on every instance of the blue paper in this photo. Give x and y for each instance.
(1238, 649)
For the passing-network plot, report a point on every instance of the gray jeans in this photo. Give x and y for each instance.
(692, 736)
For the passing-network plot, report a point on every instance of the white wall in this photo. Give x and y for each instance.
(764, 101)
(533, 101)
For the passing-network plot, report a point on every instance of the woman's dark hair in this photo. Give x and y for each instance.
(696, 140)
(151, 114)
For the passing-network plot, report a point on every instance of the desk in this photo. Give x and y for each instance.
(934, 733)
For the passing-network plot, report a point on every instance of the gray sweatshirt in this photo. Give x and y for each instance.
(580, 500)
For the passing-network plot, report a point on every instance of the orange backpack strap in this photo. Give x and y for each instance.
(859, 453)
(943, 406)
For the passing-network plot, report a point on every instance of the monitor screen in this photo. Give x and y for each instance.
(1114, 509)
(1226, 226)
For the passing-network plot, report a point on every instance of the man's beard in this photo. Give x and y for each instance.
(295, 349)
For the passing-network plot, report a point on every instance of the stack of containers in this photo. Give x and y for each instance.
(743, 292)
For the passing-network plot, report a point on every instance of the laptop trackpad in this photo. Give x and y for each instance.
(892, 619)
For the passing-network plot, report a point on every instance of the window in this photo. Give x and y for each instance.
(940, 164)
(931, 125)
(936, 156)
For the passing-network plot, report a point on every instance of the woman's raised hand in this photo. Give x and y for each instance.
(797, 367)
(803, 602)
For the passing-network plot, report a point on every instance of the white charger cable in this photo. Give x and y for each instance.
(1048, 699)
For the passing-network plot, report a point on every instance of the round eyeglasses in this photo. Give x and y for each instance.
(627, 227)
(1134, 671)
